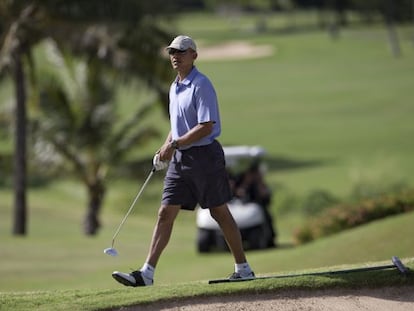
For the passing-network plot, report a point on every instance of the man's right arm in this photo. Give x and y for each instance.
(166, 151)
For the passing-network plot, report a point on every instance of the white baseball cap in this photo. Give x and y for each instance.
(182, 43)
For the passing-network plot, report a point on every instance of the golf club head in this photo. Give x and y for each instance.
(111, 251)
(400, 266)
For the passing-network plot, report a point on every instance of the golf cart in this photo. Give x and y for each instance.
(249, 207)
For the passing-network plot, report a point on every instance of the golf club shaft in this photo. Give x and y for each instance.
(324, 273)
(132, 206)
(395, 260)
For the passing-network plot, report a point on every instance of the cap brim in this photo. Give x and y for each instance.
(173, 47)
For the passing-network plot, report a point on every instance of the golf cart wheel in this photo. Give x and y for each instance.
(255, 238)
(220, 242)
(205, 240)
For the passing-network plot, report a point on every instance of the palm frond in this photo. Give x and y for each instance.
(70, 74)
(130, 124)
(138, 137)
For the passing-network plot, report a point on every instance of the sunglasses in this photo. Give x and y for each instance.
(175, 51)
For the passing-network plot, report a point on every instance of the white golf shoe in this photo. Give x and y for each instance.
(236, 276)
(134, 279)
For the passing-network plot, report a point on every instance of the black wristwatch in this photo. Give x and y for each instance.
(174, 144)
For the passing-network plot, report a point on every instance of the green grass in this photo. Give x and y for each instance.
(345, 103)
(56, 256)
(104, 299)
(334, 113)
(99, 299)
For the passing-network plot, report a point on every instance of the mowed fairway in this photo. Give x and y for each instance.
(344, 107)
(330, 113)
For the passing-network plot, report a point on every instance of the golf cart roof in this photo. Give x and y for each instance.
(243, 151)
(241, 157)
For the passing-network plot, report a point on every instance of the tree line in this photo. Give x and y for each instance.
(401, 10)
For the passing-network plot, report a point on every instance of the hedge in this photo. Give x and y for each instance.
(345, 216)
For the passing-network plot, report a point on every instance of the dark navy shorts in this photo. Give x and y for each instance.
(197, 176)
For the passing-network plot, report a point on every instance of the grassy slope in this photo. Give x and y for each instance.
(94, 293)
(56, 256)
(106, 299)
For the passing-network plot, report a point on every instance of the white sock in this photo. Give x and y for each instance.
(148, 271)
(242, 268)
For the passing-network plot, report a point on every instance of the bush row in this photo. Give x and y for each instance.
(345, 216)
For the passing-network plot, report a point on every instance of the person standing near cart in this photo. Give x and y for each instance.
(196, 171)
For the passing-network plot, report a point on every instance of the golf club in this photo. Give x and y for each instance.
(111, 251)
(396, 263)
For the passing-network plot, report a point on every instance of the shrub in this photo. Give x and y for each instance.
(345, 216)
(317, 201)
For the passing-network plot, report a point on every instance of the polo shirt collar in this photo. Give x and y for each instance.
(187, 80)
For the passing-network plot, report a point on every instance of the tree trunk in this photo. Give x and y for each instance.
(96, 193)
(20, 212)
(392, 32)
(412, 14)
(393, 39)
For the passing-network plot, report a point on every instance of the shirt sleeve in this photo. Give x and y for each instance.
(206, 102)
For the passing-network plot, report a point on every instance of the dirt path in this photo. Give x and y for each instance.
(382, 299)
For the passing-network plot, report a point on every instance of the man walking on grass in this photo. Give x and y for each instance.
(196, 171)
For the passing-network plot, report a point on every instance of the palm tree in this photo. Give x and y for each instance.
(122, 35)
(77, 119)
(23, 33)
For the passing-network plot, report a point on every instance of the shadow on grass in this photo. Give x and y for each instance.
(140, 168)
(285, 163)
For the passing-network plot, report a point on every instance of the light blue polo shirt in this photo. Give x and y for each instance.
(193, 101)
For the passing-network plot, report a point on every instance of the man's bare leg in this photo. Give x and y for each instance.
(162, 232)
(231, 232)
(160, 239)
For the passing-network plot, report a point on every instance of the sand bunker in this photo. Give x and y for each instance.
(234, 50)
